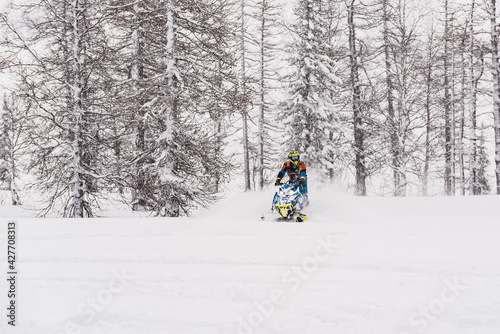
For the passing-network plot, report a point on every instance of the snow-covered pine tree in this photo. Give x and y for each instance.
(197, 57)
(221, 97)
(133, 142)
(62, 72)
(181, 76)
(136, 26)
(481, 184)
(309, 112)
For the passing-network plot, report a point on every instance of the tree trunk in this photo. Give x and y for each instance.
(139, 202)
(359, 134)
(172, 203)
(13, 177)
(472, 111)
(77, 182)
(448, 182)
(452, 117)
(390, 106)
(244, 106)
(428, 117)
(463, 95)
(496, 90)
(262, 102)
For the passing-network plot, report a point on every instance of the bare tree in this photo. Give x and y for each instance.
(267, 17)
(358, 117)
(244, 93)
(64, 85)
(449, 163)
(474, 187)
(12, 143)
(495, 64)
(430, 89)
(390, 102)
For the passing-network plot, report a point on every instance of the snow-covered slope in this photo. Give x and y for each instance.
(358, 265)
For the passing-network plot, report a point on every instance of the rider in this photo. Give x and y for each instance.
(296, 170)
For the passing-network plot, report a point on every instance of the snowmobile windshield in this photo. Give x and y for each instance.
(286, 190)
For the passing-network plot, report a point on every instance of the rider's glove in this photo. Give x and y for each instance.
(302, 180)
(278, 181)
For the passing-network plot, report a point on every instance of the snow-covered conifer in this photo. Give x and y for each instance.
(309, 112)
(63, 51)
(180, 73)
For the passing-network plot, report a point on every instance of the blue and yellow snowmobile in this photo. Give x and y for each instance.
(289, 202)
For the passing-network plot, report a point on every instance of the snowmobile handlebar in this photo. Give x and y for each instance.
(290, 182)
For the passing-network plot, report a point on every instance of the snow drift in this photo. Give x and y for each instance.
(358, 265)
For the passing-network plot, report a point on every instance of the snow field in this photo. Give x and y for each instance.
(358, 265)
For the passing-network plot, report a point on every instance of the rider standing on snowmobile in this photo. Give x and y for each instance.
(296, 170)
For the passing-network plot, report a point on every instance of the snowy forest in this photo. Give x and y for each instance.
(162, 104)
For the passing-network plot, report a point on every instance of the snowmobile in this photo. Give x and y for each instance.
(289, 202)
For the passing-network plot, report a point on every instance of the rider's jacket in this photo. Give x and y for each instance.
(294, 171)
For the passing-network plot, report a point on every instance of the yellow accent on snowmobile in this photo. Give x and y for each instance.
(283, 209)
(301, 217)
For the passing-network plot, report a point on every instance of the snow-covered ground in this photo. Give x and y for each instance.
(358, 265)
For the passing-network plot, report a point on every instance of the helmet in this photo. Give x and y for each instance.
(294, 157)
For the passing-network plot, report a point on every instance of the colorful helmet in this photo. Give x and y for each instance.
(294, 157)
